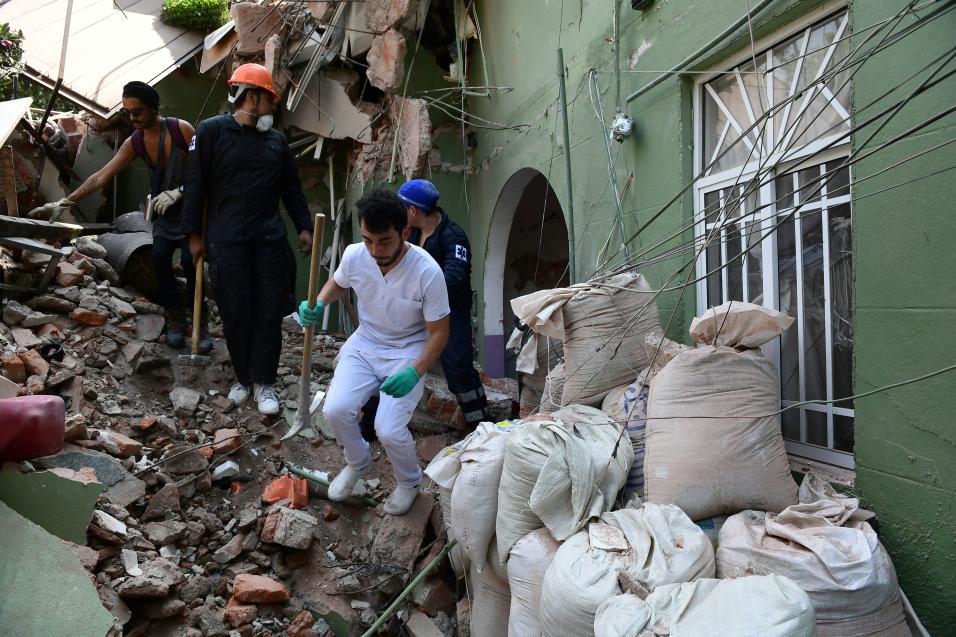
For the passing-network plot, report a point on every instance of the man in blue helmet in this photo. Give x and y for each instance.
(447, 243)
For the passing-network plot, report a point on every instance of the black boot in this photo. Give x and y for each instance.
(205, 341)
(175, 329)
(367, 423)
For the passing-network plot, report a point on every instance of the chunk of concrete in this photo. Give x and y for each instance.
(254, 24)
(415, 135)
(46, 590)
(381, 15)
(420, 625)
(166, 499)
(185, 401)
(122, 488)
(386, 61)
(60, 501)
(399, 539)
(161, 533)
(289, 528)
(149, 327)
(185, 461)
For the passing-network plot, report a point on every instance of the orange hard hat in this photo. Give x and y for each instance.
(256, 75)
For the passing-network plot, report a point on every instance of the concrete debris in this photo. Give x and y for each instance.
(381, 15)
(254, 24)
(260, 590)
(289, 527)
(386, 61)
(415, 135)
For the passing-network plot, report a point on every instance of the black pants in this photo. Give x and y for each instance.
(457, 361)
(250, 282)
(167, 294)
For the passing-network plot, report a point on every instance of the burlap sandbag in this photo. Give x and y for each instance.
(661, 546)
(559, 473)
(530, 558)
(604, 331)
(553, 390)
(825, 546)
(713, 444)
(770, 606)
(490, 603)
(739, 324)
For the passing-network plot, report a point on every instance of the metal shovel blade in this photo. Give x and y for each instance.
(301, 420)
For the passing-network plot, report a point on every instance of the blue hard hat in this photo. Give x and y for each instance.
(420, 193)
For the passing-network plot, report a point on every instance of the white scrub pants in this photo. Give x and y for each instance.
(357, 377)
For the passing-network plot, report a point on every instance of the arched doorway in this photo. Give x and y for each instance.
(527, 251)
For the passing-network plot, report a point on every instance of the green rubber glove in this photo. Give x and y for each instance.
(310, 315)
(401, 383)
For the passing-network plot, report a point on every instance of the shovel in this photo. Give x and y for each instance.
(303, 415)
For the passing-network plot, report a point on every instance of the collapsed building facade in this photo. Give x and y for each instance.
(775, 153)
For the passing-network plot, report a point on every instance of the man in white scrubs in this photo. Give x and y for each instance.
(403, 328)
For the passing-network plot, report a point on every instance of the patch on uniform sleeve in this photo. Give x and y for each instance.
(461, 252)
(192, 143)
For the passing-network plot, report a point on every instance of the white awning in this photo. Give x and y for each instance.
(110, 44)
(11, 112)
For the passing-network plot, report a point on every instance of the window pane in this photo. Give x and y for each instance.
(787, 275)
(791, 424)
(811, 186)
(843, 433)
(735, 284)
(754, 262)
(838, 182)
(816, 427)
(784, 187)
(814, 320)
(711, 206)
(841, 303)
(714, 294)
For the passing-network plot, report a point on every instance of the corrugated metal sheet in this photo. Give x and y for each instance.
(110, 44)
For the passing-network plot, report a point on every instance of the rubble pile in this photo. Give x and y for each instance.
(166, 490)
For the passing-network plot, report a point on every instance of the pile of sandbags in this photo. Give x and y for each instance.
(768, 606)
(632, 550)
(558, 473)
(467, 475)
(713, 440)
(602, 326)
(529, 561)
(825, 545)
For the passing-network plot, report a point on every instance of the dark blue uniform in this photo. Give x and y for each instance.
(450, 248)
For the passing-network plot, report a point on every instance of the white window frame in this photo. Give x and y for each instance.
(839, 147)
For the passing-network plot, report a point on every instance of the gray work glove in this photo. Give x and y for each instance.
(166, 200)
(51, 211)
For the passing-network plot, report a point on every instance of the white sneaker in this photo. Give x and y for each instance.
(239, 394)
(401, 500)
(344, 483)
(267, 400)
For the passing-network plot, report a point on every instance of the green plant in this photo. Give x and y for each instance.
(201, 15)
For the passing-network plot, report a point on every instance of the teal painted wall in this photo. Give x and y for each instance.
(905, 301)
(905, 308)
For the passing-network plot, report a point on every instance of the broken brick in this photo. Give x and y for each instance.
(91, 318)
(75, 428)
(147, 423)
(14, 369)
(226, 440)
(237, 613)
(329, 514)
(301, 626)
(259, 590)
(119, 445)
(68, 274)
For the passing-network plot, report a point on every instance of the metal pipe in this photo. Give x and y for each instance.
(683, 64)
(617, 55)
(612, 173)
(567, 160)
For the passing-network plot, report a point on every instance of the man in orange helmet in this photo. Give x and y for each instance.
(239, 168)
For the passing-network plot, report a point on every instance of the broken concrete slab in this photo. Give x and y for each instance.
(8, 388)
(163, 501)
(420, 625)
(254, 24)
(162, 533)
(25, 338)
(40, 569)
(386, 61)
(14, 313)
(186, 460)
(185, 401)
(158, 578)
(61, 502)
(415, 135)
(230, 550)
(381, 15)
(122, 488)
(149, 327)
(289, 528)
(399, 540)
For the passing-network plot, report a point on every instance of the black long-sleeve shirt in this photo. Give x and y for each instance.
(449, 247)
(239, 175)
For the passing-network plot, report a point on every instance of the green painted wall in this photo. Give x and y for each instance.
(905, 301)
(905, 307)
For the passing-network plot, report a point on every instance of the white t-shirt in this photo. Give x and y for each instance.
(393, 308)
